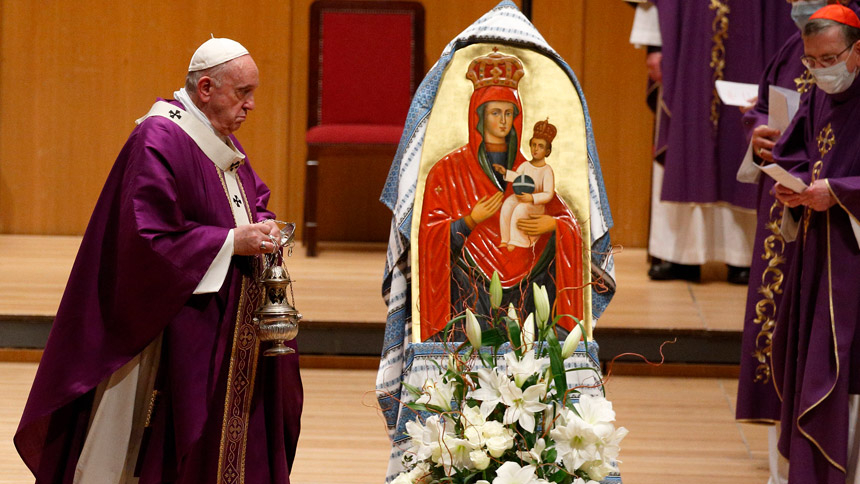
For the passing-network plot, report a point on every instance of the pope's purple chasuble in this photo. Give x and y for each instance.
(219, 412)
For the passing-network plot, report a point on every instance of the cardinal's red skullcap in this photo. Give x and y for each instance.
(838, 13)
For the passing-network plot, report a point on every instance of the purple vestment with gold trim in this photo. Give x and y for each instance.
(700, 140)
(816, 345)
(160, 220)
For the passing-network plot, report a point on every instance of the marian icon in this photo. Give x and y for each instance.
(485, 206)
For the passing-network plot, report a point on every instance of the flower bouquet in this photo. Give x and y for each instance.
(490, 418)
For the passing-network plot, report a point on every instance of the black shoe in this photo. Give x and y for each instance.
(738, 275)
(669, 271)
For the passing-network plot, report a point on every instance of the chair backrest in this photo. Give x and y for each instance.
(366, 59)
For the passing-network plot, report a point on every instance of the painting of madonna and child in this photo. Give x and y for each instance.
(503, 187)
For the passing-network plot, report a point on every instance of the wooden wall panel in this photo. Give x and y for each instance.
(76, 75)
(614, 79)
(73, 82)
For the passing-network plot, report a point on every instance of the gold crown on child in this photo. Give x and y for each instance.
(544, 130)
(495, 69)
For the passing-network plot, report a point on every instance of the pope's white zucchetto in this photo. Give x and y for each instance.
(215, 51)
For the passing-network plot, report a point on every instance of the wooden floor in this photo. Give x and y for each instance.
(682, 431)
(343, 285)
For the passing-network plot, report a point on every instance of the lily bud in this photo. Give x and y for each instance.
(512, 312)
(529, 333)
(541, 305)
(495, 291)
(473, 329)
(571, 342)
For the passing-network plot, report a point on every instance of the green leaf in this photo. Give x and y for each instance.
(412, 389)
(494, 337)
(559, 476)
(514, 335)
(556, 363)
(418, 407)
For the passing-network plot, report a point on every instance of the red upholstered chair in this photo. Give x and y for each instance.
(365, 62)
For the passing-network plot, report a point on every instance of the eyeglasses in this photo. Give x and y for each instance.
(825, 61)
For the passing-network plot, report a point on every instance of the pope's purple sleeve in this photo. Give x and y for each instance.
(155, 199)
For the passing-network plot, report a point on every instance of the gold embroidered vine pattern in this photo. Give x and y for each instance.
(720, 28)
(771, 285)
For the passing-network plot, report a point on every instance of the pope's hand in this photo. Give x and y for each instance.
(255, 239)
(763, 140)
(482, 210)
(537, 225)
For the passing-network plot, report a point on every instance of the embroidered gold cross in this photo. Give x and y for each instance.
(826, 139)
(804, 82)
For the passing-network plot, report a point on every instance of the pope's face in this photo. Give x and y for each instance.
(230, 102)
(498, 120)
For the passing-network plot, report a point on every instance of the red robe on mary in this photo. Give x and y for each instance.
(453, 187)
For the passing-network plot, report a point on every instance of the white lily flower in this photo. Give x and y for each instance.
(427, 439)
(597, 412)
(571, 342)
(533, 456)
(598, 469)
(488, 393)
(575, 441)
(529, 333)
(522, 368)
(580, 480)
(473, 422)
(402, 478)
(437, 393)
(511, 473)
(523, 404)
(495, 291)
(542, 308)
(473, 329)
(420, 474)
(455, 454)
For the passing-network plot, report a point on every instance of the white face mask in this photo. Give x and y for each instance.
(802, 10)
(836, 78)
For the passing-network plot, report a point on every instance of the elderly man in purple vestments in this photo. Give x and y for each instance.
(816, 365)
(699, 212)
(152, 371)
(757, 400)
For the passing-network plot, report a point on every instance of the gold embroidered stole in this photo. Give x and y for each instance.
(241, 375)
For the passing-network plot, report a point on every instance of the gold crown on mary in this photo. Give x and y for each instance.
(495, 69)
(544, 130)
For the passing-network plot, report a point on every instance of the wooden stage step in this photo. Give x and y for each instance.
(339, 294)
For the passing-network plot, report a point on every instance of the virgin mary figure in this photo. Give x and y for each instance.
(459, 236)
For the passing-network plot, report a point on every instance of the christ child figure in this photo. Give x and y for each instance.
(533, 186)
